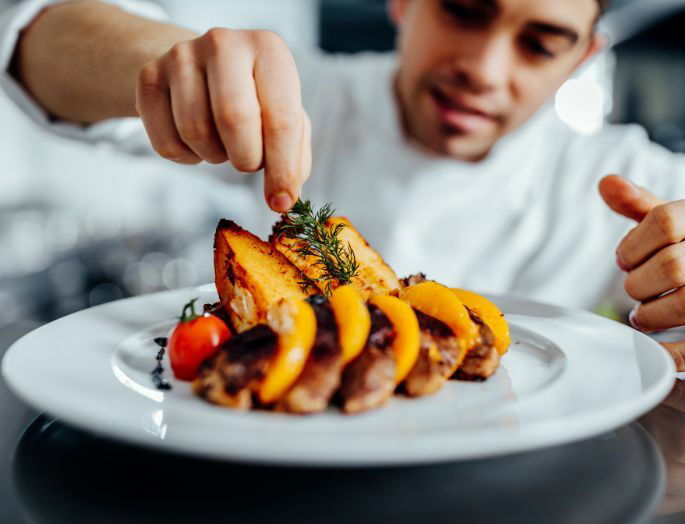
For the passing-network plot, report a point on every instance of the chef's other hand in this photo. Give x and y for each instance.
(653, 256)
(230, 95)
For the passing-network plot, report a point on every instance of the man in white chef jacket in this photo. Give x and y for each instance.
(444, 153)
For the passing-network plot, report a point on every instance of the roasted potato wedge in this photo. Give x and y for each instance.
(251, 275)
(374, 276)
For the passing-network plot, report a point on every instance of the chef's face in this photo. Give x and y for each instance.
(473, 70)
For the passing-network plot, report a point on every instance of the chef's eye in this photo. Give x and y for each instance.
(535, 46)
(467, 14)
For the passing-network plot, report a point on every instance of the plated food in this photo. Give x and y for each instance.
(93, 370)
(317, 318)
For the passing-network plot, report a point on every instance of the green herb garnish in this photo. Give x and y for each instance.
(315, 239)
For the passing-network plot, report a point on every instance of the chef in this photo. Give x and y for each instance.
(444, 153)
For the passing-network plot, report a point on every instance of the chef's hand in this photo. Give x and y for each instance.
(653, 256)
(230, 95)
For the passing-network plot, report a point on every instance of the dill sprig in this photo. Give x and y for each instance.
(315, 239)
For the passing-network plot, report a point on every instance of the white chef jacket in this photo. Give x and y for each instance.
(526, 220)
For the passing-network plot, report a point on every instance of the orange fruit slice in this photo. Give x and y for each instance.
(353, 320)
(405, 346)
(294, 322)
(438, 301)
(490, 314)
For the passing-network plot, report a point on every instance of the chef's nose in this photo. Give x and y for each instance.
(486, 63)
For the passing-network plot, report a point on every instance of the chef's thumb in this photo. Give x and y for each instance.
(626, 198)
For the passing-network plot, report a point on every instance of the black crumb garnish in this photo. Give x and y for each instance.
(157, 374)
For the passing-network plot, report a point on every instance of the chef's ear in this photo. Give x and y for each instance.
(397, 10)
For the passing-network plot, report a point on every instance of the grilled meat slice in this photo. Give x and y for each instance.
(438, 355)
(236, 370)
(369, 380)
(481, 361)
(412, 280)
(320, 377)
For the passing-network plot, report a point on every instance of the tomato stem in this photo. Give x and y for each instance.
(189, 306)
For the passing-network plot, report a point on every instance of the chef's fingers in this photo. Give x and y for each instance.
(230, 64)
(190, 104)
(662, 313)
(626, 198)
(662, 226)
(154, 107)
(278, 89)
(663, 271)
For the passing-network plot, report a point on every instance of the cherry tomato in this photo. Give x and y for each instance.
(194, 339)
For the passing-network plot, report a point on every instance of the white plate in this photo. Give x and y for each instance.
(568, 375)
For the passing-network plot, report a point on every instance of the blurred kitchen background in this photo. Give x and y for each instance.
(80, 226)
